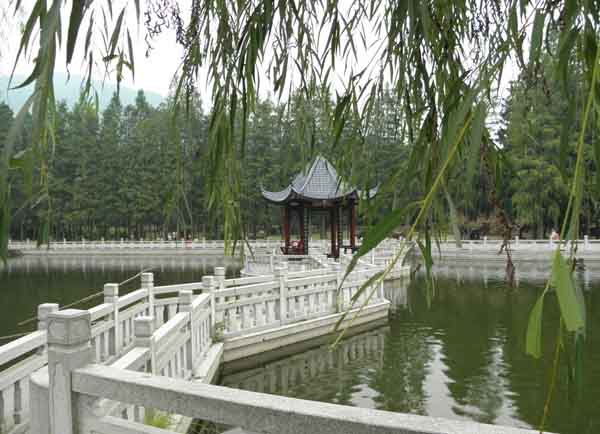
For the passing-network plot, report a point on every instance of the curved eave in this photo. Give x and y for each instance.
(368, 194)
(290, 194)
(278, 197)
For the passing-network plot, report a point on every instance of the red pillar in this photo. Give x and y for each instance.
(333, 225)
(352, 226)
(286, 229)
(301, 217)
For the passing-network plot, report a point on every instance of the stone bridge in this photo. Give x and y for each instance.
(159, 348)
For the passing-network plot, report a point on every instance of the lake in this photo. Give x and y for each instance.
(457, 354)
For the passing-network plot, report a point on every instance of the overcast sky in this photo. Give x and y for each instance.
(153, 73)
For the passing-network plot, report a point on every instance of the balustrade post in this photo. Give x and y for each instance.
(586, 242)
(208, 284)
(69, 335)
(220, 277)
(185, 305)
(43, 311)
(281, 276)
(148, 285)
(517, 241)
(143, 328)
(485, 241)
(338, 280)
(111, 296)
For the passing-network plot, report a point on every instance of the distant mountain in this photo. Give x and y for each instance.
(69, 91)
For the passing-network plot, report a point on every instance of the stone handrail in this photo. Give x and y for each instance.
(14, 381)
(252, 411)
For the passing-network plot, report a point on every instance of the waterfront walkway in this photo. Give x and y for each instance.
(159, 348)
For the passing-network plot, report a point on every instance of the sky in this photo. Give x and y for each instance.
(153, 72)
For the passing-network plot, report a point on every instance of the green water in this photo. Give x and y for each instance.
(28, 281)
(462, 357)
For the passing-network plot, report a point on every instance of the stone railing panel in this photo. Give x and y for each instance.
(253, 411)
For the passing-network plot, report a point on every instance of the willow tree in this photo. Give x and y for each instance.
(444, 61)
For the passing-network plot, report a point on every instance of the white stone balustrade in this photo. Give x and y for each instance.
(170, 330)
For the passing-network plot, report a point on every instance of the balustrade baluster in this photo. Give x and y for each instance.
(281, 276)
(112, 341)
(185, 306)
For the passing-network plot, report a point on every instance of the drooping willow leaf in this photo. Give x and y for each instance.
(570, 307)
(533, 340)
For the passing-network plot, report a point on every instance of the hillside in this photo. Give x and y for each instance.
(69, 91)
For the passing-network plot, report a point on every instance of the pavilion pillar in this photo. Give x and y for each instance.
(353, 226)
(333, 220)
(301, 212)
(306, 229)
(286, 229)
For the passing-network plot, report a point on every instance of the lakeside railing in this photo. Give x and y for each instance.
(138, 244)
(517, 244)
(266, 248)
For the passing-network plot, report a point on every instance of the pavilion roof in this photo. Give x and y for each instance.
(319, 181)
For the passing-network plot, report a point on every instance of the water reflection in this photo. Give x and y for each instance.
(102, 263)
(494, 272)
(336, 375)
(461, 357)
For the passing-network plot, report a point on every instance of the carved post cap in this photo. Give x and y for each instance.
(111, 290)
(69, 327)
(45, 309)
(147, 279)
(143, 326)
(208, 281)
(185, 297)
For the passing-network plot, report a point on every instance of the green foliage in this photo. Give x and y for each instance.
(158, 419)
(570, 307)
(533, 342)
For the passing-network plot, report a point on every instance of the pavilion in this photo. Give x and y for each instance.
(316, 191)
